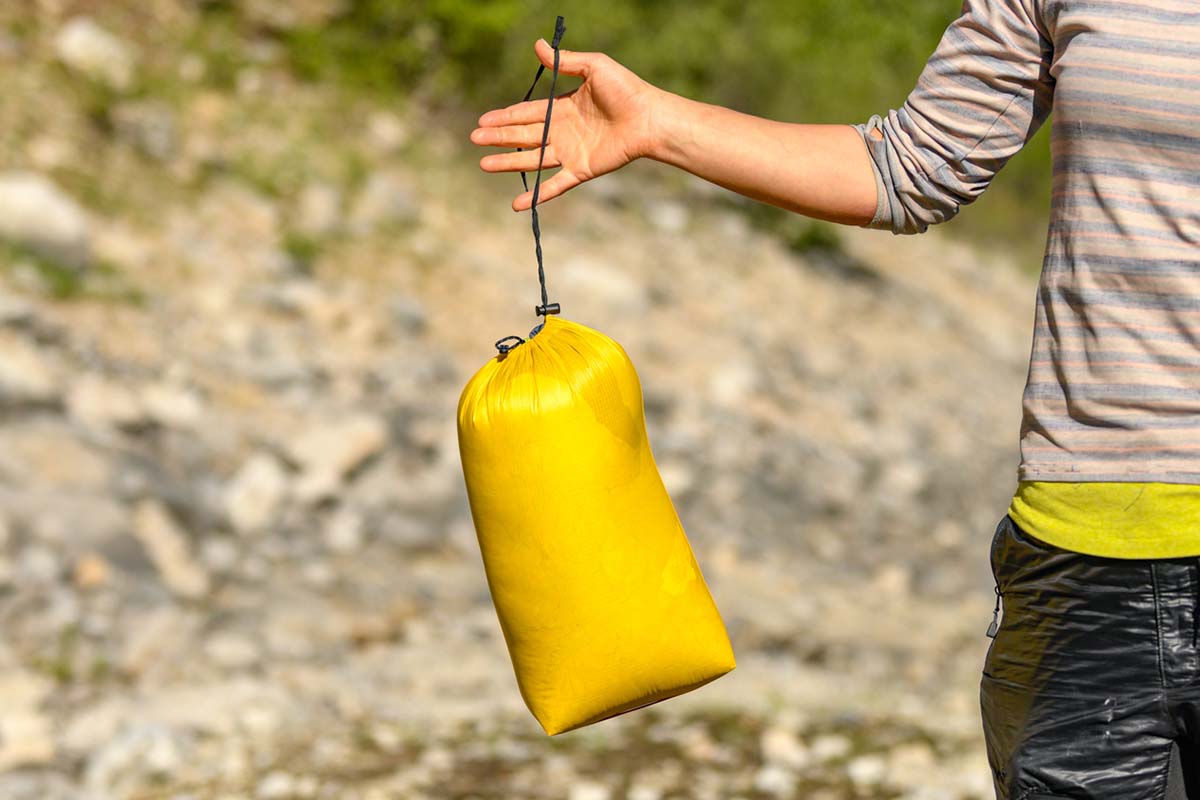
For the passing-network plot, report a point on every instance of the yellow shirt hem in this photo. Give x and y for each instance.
(1113, 520)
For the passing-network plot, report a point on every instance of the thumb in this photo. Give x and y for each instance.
(569, 61)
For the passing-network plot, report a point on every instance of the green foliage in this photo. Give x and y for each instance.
(303, 250)
(383, 45)
(100, 280)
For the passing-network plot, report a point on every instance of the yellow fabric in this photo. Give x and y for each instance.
(1116, 520)
(601, 601)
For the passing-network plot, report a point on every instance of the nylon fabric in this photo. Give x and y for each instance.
(1091, 687)
(602, 604)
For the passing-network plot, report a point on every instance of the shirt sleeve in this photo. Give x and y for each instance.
(984, 93)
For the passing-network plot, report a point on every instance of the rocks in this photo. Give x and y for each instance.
(867, 770)
(319, 210)
(95, 53)
(137, 756)
(589, 790)
(172, 406)
(148, 127)
(232, 651)
(328, 451)
(387, 132)
(167, 546)
(830, 746)
(28, 376)
(254, 496)
(26, 735)
(38, 215)
(780, 745)
(387, 200)
(603, 286)
(344, 533)
(775, 781)
(98, 402)
(409, 315)
(667, 216)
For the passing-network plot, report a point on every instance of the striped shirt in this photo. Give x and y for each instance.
(1113, 388)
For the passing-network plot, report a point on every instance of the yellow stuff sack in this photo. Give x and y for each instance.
(601, 601)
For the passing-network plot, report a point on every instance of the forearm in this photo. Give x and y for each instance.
(821, 171)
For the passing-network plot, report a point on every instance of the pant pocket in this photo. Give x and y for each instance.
(993, 561)
(994, 552)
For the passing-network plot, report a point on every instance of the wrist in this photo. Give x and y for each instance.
(661, 125)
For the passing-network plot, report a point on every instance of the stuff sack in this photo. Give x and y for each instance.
(600, 599)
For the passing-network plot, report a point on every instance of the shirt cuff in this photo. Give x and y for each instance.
(883, 212)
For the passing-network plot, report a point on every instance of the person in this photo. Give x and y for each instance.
(1091, 686)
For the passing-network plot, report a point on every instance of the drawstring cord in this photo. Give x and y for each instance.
(546, 307)
(995, 626)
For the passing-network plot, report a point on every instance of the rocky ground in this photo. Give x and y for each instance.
(236, 557)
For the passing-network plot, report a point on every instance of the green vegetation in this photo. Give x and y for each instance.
(100, 281)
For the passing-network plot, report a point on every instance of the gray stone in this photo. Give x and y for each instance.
(598, 283)
(276, 786)
(90, 50)
(231, 650)
(329, 451)
(97, 402)
(387, 199)
(37, 564)
(28, 375)
(36, 214)
(344, 531)
(780, 745)
(867, 770)
(139, 756)
(256, 493)
(409, 315)
(26, 737)
(668, 216)
(148, 127)
(589, 790)
(319, 210)
(172, 406)
(387, 132)
(775, 780)
(167, 546)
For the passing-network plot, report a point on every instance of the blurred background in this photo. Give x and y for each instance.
(247, 263)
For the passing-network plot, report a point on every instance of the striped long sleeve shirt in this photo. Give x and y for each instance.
(1113, 388)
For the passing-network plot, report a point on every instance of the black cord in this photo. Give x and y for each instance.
(546, 307)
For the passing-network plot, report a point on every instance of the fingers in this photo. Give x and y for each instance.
(559, 183)
(524, 113)
(524, 161)
(509, 135)
(570, 62)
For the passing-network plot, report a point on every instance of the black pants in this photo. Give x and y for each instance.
(1091, 688)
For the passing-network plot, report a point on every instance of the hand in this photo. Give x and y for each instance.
(597, 128)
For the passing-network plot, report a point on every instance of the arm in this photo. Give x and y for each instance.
(820, 171)
(982, 95)
(614, 117)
